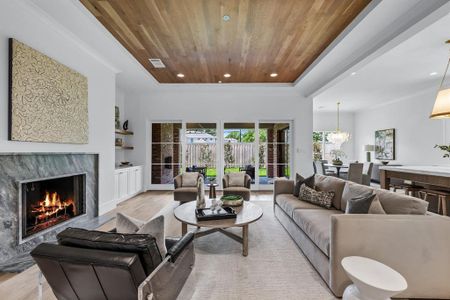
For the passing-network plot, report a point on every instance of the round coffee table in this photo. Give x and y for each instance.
(371, 279)
(246, 214)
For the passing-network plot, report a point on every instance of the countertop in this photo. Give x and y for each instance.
(424, 170)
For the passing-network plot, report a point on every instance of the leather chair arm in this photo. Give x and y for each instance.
(176, 249)
(177, 181)
(225, 181)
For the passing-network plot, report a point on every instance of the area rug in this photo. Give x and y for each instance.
(274, 269)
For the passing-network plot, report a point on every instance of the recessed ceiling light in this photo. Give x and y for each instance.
(227, 75)
(353, 73)
(180, 75)
(273, 74)
(226, 18)
(433, 73)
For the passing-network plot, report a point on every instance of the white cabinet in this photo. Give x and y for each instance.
(127, 182)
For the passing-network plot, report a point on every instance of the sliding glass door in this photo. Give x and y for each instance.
(239, 148)
(166, 152)
(274, 152)
(201, 146)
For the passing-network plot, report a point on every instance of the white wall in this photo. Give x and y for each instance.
(327, 121)
(218, 104)
(22, 22)
(415, 133)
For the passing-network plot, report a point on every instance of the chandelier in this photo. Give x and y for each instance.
(441, 108)
(338, 137)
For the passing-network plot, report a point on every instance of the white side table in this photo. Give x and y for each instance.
(372, 280)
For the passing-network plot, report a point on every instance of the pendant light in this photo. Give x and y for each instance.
(338, 137)
(441, 108)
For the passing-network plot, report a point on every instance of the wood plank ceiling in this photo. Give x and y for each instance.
(192, 38)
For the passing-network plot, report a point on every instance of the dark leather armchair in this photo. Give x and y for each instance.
(106, 265)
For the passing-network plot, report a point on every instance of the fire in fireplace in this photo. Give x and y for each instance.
(48, 202)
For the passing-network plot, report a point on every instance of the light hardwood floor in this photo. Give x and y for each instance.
(144, 206)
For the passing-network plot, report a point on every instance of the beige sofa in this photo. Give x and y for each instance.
(407, 238)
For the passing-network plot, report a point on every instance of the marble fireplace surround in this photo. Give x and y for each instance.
(18, 167)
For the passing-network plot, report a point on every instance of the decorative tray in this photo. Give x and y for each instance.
(206, 214)
(232, 200)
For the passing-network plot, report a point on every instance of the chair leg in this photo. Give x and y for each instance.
(439, 204)
(444, 205)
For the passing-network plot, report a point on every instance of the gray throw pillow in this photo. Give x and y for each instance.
(323, 199)
(360, 205)
(299, 180)
(154, 227)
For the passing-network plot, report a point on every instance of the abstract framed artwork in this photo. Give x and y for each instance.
(385, 144)
(48, 101)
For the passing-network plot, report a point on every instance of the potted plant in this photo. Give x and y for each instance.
(444, 148)
(337, 155)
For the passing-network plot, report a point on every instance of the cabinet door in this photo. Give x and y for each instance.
(116, 186)
(123, 184)
(138, 179)
(131, 181)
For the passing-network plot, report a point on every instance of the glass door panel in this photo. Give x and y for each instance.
(274, 152)
(166, 152)
(239, 148)
(201, 146)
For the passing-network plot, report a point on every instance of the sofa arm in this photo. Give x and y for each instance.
(283, 186)
(415, 245)
(225, 181)
(248, 181)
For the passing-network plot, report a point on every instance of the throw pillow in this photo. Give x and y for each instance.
(376, 207)
(154, 227)
(299, 180)
(127, 224)
(359, 205)
(323, 199)
(189, 179)
(236, 179)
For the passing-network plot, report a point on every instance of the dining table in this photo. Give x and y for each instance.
(337, 167)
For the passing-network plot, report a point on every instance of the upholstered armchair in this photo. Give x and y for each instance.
(187, 190)
(88, 265)
(230, 187)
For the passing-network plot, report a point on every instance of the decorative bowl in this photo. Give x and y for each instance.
(232, 200)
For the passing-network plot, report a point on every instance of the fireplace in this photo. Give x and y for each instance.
(48, 202)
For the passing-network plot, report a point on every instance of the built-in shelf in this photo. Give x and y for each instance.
(125, 147)
(124, 132)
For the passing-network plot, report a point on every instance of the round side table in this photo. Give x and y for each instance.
(372, 280)
(212, 190)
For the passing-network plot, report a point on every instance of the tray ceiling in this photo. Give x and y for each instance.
(192, 37)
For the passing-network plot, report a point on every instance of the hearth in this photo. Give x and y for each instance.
(48, 202)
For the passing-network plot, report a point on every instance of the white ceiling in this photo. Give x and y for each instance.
(404, 70)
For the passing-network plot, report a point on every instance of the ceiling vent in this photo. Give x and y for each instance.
(157, 63)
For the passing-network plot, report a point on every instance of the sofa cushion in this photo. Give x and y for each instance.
(376, 208)
(316, 224)
(331, 184)
(236, 179)
(189, 179)
(354, 190)
(289, 203)
(323, 199)
(394, 203)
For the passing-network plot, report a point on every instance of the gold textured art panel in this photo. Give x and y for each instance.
(48, 100)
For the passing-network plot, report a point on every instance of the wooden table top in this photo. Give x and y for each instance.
(443, 171)
(247, 213)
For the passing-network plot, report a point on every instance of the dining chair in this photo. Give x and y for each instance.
(355, 172)
(319, 168)
(367, 173)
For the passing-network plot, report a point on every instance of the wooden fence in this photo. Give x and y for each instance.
(237, 154)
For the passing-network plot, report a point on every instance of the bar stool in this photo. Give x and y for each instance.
(442, 197)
